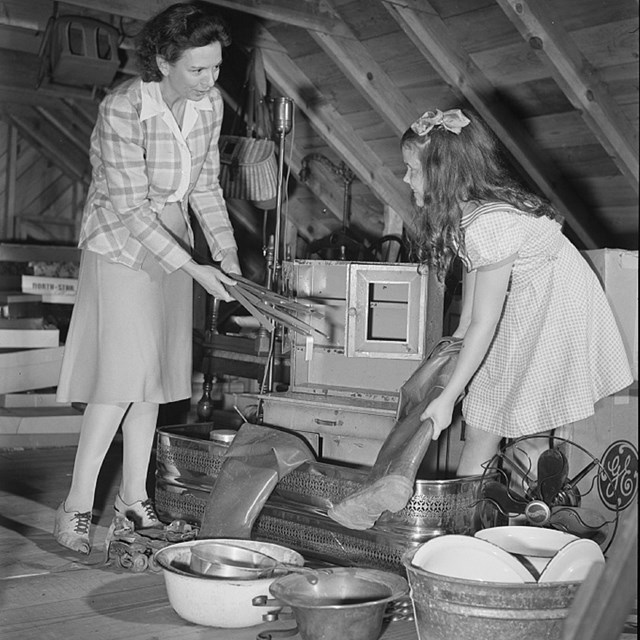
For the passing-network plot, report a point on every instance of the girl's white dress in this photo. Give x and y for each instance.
(557, 348)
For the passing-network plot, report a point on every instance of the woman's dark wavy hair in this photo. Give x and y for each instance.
(180, 27)
(458, 168)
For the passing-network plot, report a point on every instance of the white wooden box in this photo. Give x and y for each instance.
(381, 320)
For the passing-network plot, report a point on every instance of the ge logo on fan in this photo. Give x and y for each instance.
(618, 477)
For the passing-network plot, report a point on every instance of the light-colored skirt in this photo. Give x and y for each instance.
(130, 336)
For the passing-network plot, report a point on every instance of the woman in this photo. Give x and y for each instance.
(153, 153)
(540, 343)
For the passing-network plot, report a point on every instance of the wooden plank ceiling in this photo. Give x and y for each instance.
(557, 80)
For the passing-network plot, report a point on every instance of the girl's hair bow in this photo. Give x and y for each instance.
(453, 120)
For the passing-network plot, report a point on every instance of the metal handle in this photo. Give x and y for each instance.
(277, 633)
(327, 423)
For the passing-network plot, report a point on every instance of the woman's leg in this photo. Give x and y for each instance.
(138, 432)
(479, 448)
(99, 426)
(73, 517)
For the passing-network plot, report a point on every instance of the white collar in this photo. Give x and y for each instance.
(153, 105)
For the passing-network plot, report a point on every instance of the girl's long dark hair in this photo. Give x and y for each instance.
(180, 27)
(458, 168)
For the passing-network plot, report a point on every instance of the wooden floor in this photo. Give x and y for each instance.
(47, 593)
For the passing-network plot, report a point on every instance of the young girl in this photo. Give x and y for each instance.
(540, 343)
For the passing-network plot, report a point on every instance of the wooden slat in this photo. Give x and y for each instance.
(605, 599)
(318, 15)
(448, 57)
(604, 46)
(35, 174)
(32, 15)
(48, 198)
(19, 39)
(20, 73)
(27, 96)
(50, 149)
(85, 114)
(355, 61)
(30, 252)
(65, 129)
(539, 26)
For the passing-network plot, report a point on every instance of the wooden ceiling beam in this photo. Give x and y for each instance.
(540, 27)
(339, 135)
(366, 75)
(85, 117)
(432, 38)
(65, 129)
(136, 9)
(316, 15)
(20, 96)
(10, 181)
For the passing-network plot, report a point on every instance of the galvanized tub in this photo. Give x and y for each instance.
(188, 462)
(455, 609)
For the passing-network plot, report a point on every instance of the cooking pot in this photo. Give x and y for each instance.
(215, 601)
(346, 603)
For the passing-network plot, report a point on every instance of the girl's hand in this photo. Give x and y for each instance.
(440, 411)
(212, 280)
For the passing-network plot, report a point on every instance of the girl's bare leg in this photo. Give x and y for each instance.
(479, 448)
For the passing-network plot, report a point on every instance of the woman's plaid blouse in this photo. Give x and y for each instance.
(141, 160)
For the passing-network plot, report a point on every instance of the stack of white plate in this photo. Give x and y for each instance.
(556, 556)
(510, 554)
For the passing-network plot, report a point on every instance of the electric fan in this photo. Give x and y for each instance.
(546, 496)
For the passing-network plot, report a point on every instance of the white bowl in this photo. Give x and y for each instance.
(218, 602)
(469, 558)
(573, 562)
(536, 544)
(527, 541)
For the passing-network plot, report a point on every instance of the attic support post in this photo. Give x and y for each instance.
(7, 230)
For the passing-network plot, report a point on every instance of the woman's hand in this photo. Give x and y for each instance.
(230, 263)
(440, 411)
(212, 280)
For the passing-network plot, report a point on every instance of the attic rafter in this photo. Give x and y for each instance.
(432, 38)
(578, 79)
(138, 9)
(357, 64)
(31, 97)
(64, 129)
(317, 15)
(83, 119)
(10, 182)
(338, 134)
